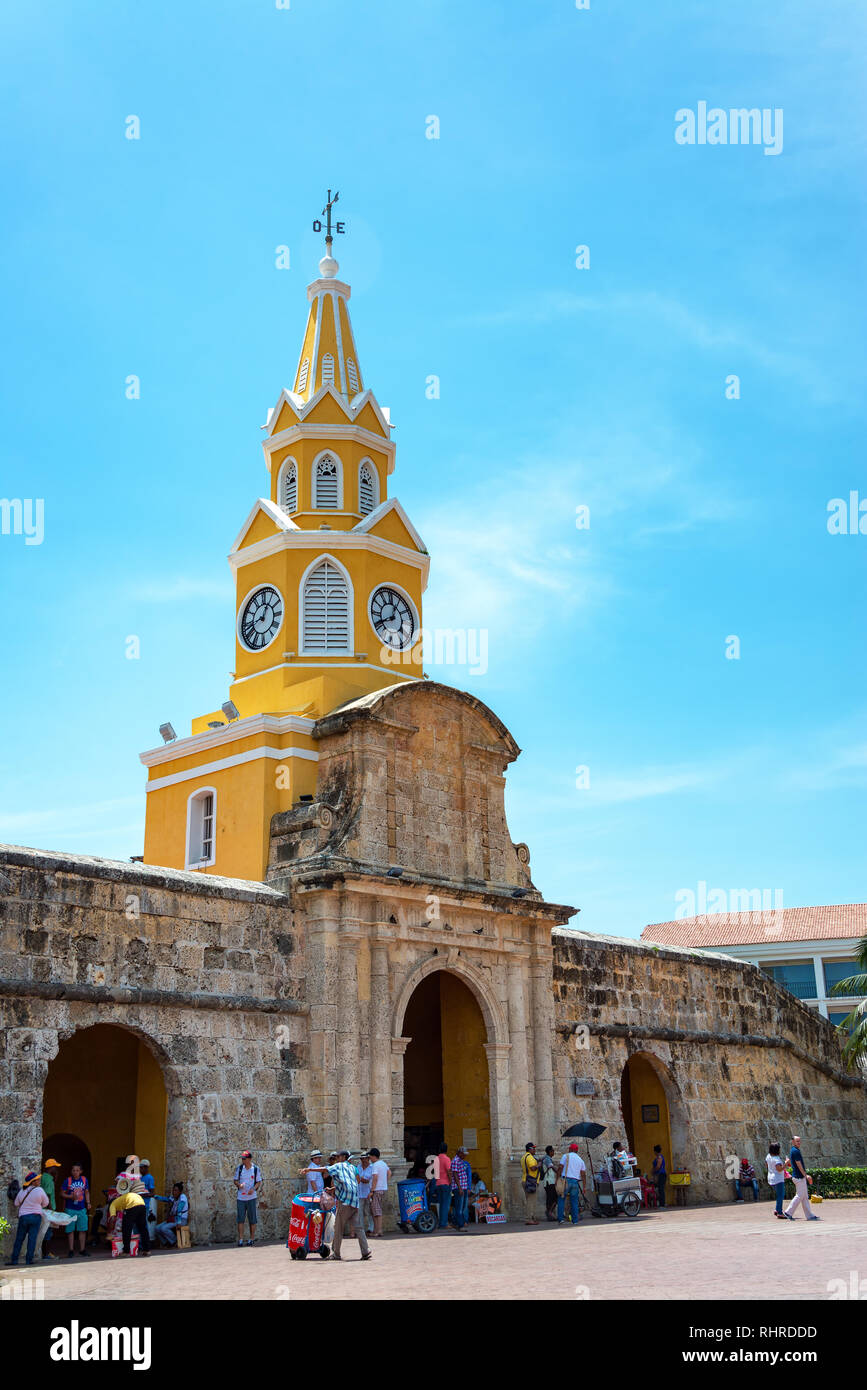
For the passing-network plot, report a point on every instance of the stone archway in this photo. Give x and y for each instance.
(450, 1055)
(653, 1111)
(106, 1085)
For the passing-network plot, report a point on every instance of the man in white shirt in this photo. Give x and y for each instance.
(574, 1172)
(378, 1187)
(315, 1182)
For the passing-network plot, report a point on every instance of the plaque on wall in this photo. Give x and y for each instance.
(471, 1139)
(583, 1086)
(650, 1114)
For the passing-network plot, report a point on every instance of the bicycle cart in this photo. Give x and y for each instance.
(620, 1194)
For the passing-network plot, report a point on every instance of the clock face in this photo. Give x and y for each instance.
(392, 617)
(260, 618)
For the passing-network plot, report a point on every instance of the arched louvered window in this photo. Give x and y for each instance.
(352, 373)
(302, 376)
(325, 610)
(289, 487)
(328, 370)
(201, 822)
(326, 484)
(367, 489)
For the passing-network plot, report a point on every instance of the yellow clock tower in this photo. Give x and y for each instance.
(329, 576)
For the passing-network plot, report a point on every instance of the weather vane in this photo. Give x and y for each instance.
(339, 227)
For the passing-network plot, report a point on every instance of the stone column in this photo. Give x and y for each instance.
(322, 928)
(380, 1047)
(348, 1042)
(499, 1055)
(523, 1119)
(543, 1039)
(398, 1051)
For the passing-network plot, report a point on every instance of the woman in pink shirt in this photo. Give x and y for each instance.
(444, 1184)
(31, 1201)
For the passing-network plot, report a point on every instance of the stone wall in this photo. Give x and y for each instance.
(743, 1062)
(207, 972)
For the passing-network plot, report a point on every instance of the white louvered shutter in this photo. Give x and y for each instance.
(366, 490)
(302, 376)
(327, 481)
(290, 489)
(326, 610)
(352, 373)
(328, 370)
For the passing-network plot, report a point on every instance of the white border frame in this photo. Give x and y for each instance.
(388, 583)
(332, 454)
(350, 648)
(197, 796)
(367, 462)
(256, 651)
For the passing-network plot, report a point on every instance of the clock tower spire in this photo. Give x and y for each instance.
(329, 576)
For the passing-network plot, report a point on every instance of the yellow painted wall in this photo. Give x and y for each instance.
(93, 1090)
(645, 1088)
(466, 1100)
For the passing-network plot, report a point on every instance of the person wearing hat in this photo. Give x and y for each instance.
(461, 1175)
(248, 1180)
(133, 1209)
(314, 1172)
(150, 1188)
(573, 1171)
(345, 1178)
(46, 1182)
(31, 1201)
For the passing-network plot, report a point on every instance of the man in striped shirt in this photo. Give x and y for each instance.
(460, 1175)
(346, 1187)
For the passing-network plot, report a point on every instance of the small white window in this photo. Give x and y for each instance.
(325, 624)
(289, 490)
(326, 487)
(201, 828)
(302, 376)
(352, 373)
(328, 370)
(367, 489)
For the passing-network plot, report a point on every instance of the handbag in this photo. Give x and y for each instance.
(560, 1186)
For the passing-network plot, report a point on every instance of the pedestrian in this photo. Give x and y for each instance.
(76, 1202)
(366, 1176)
(573, 1171)
(443, 1184)
(346, 1188)
(315, 1171)
(549, 1183)
(746, 1178)
(133, 1217)
(248, 1181)
(379, 1187)
(178, 1215)
(530, 1184)
(660, 1176)
(776, 1178)
(461, 1175)
(801, 1179)
(31, 1201)
(46, 1229)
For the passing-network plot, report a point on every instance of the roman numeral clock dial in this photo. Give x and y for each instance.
(260, 618)
(394, 621)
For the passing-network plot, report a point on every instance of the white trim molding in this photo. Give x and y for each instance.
(273, 512)
(391, 504)
(208, 769)
(194, 800)
(230, 733)
(354, 539)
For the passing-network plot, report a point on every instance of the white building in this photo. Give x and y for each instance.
(804, 949)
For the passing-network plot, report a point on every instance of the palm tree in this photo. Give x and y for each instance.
(854, 1025)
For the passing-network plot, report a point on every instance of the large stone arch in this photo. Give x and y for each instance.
(676, 1128)
(497, 1049)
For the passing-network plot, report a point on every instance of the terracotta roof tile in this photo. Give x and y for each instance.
(836, 921)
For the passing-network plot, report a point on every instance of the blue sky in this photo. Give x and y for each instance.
(560, 387)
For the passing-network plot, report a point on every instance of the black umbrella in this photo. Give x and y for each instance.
(585, 1130)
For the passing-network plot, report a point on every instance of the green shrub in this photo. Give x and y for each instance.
(840, 1182)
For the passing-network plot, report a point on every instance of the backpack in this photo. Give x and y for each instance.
(13, 1189)
(257, 1176)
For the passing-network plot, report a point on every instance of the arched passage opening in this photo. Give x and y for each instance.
(445, 1077)
(651, 1111)
(104, 1098)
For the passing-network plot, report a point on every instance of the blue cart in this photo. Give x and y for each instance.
(413, 1207)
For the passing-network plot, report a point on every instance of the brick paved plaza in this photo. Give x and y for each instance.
(718, 1252)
